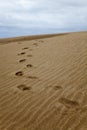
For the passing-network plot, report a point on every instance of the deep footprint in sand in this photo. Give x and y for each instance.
(69, 103)
(29, 65)
(22, 53)
(23, 60)
(25, 48)
(57, 87)
(23, 87)
(19, 73)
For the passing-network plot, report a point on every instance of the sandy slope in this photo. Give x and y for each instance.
(43, 83)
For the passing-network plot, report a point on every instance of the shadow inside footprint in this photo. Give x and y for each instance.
(22, 53)
(57, 87)
(29, 65)
(35, 44)
(25, 48)
(19, 73)
(23, 87)
(69, 103)
(22, 60)
(32, 77)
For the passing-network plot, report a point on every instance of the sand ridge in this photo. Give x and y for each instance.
(43, 83)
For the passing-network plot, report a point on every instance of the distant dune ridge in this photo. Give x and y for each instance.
(43, 82)
(25, 38)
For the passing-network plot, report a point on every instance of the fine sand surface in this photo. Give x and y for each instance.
(43, 82)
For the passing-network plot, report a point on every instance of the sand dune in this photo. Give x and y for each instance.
(43, 82)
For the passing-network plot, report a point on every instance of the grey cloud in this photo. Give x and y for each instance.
(52, 15)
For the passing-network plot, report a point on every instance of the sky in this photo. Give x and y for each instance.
(30, 17)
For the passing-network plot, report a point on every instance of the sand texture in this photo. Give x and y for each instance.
(43, 82)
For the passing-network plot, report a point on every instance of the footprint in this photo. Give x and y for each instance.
(29, 55)
(23, 87)
(52, 89)
(35, 44)
(25, 48)
(32, 77)
(69, 103)
(29, 65)
(22, 53)
(57, 87)
(23, 60)
(19, 73)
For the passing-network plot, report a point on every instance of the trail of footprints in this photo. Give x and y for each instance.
(23, 87)
(64, 101)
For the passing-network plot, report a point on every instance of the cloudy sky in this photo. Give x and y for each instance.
(27, 17)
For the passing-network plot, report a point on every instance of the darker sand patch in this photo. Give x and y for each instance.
(29, 55)
(30, 49)
(23, 87)
(41, 41)
(19, 73)
(19, 43)
(23, 60)
(52, 89)
(69, 103)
